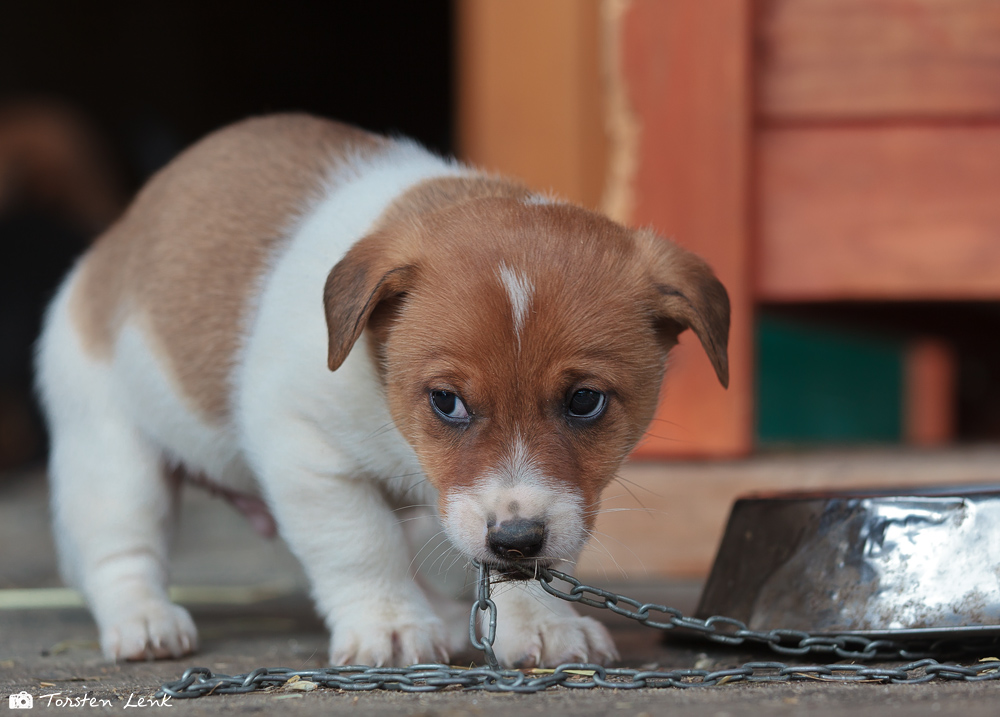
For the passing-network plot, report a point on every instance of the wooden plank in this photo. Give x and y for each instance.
(879, 213)
(686, 66)
(931, 401)
(530, 93)
(823, 59)
(665, 520)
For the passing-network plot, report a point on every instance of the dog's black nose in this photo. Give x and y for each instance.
(517, 538)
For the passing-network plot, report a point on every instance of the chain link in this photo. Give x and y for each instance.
(433, 677)
(200, 681)
(730, 631)
(482, 603)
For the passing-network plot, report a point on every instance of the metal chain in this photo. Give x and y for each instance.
(482, 603)
(433, 677)
(200, 681)
(730, 631)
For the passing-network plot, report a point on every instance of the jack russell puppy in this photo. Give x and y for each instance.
(324, 324)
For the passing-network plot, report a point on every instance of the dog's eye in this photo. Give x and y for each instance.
(449, 406)
(586, 404)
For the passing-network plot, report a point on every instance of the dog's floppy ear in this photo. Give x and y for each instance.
(688, 296)
(369, 274)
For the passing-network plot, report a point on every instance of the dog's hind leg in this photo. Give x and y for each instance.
(112, 507)
(113, 504)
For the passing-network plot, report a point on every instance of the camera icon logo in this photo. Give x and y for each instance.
(21, 701)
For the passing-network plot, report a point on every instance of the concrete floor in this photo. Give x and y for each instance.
(271, 623)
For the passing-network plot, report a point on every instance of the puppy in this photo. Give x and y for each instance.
(324, 324)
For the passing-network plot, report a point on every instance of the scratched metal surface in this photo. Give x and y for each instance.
(916, 562)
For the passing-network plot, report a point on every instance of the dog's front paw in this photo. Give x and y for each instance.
(151, 630)
(552, 639)
(383, 640)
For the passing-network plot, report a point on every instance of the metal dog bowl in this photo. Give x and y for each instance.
(915, 564)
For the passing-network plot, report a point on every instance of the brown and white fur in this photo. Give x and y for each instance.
(278, 314)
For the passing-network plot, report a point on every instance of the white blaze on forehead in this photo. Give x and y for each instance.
(518, 466)
(519, 290)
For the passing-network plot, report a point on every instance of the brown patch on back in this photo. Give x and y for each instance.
(186, 257)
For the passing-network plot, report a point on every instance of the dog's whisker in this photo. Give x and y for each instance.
(651, 512)
(414, 486)
(669, 423)
(454, 556)
(471, 578)
(306, 663)
(443, 556)
(638, 560)
(603, 511)
(669, 439)
(413, 506)
(619, 478)
(458, 556)
(385, 427)
(432, 551)
(428, 541)
(608, 498)
(418, 551)
(404, 475)
(420, 568)
(600, 563)
(607, 552)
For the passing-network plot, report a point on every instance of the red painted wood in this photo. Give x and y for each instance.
(687, 66)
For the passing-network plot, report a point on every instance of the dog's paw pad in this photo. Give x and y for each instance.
(154, 631)
(555, 641)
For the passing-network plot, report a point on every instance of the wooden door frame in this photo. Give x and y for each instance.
(532, 79)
